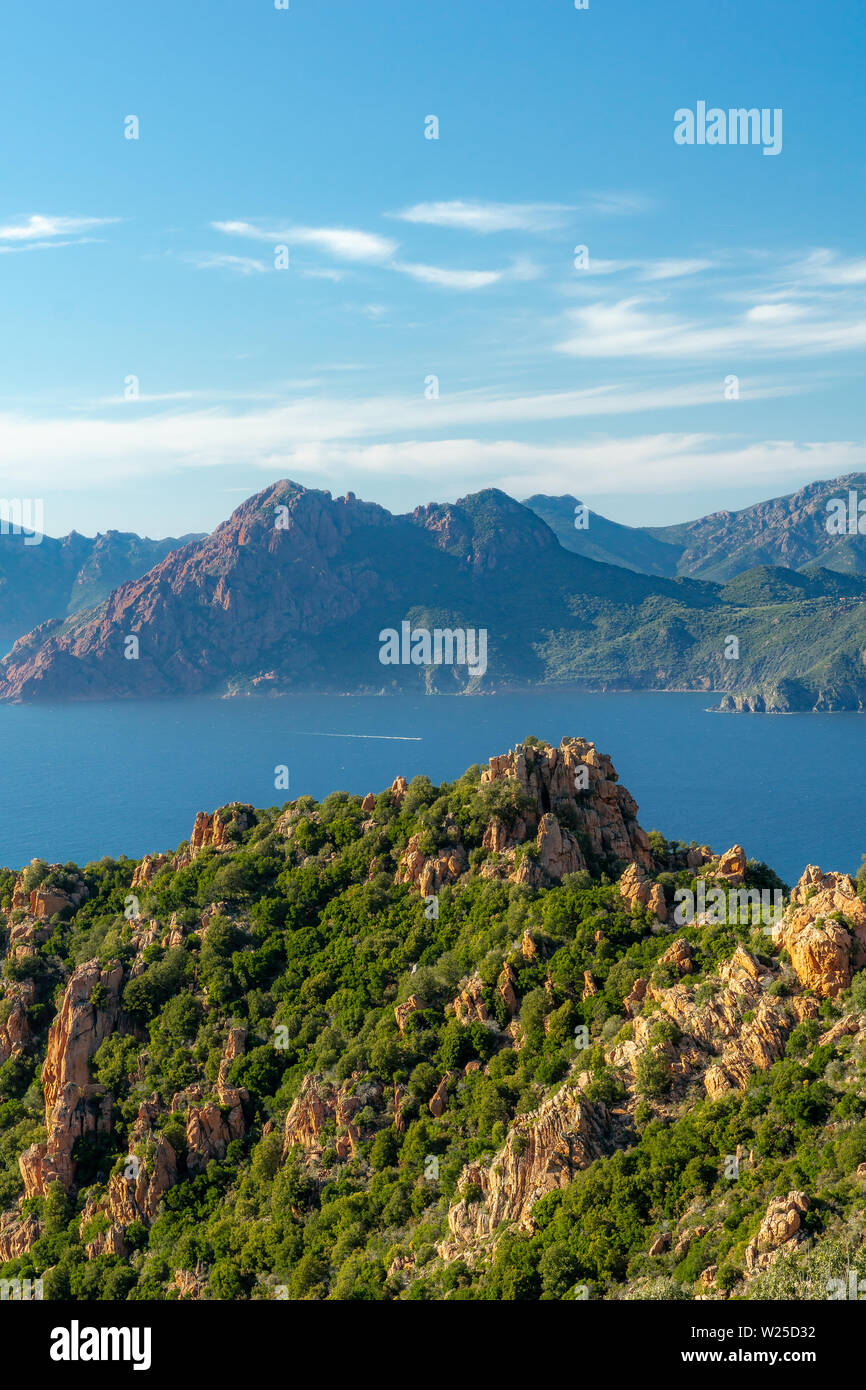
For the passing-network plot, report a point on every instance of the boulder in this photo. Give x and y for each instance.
(781, 1228)
(824, 952)
(732, 866)
(404, 1011)
(638, 889)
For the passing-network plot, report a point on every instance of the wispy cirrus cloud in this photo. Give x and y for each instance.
(325, 274)
(649, 270)
(349, 449)
(368, 248)
(344, 243)
(216, 260)
(450, 279)
(653, 463)
(37, 228)
(673, 268)
(476, 216)
(181, 430)
(485, 216)
(825, 267)
(636, 328)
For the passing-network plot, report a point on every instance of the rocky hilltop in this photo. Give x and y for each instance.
(489, 1039)
(301, 591)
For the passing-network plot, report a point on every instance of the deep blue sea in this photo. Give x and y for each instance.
(84, 780)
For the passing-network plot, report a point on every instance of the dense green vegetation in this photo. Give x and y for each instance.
(311, 948)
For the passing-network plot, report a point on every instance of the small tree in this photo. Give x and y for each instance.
(652, 1073)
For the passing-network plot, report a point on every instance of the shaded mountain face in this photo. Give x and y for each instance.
(790, 531)
(299, 591)
(607, 541)
(55, 578)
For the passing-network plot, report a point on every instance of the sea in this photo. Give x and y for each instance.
(81, 781)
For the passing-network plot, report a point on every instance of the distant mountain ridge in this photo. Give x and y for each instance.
(791, 531)
(52, 578)
(296, 589)
(609, 542)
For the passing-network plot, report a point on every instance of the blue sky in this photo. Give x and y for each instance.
(411, 258)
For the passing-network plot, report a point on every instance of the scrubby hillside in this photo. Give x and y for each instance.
(465, 1041)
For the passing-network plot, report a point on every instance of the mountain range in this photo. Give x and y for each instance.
(789, 531)
(297, 590)
(42, 578)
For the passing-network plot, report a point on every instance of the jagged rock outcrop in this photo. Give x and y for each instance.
(18, 1234)
(469, 1004)
(684, 1241)
(760, 1042)
(732, 866)
(543, 1151)
(213, 910)
(497, 837)
(679, 956)
(718, 1041)
(428, 873)
(15, 1032)
(235, 1044)
(148, 869)
(212, 831)
(846, 1027)
(320, 1102)
(575, 776)
(781, 1229)
(209, 1133)
(74, 1106)
(48, 897)
(633, 1002)
(439, 1099)
(824, 951)
(212, 1125)
(404, 1011)
(813, 880)
(26, 937)
(191, 1283)
(638, 888)
(558, 851)
(506, 986)
(135, 1193)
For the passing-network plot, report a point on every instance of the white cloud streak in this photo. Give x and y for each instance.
(343, 243)
(39, 228)
(483, 217)
(628, 329)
